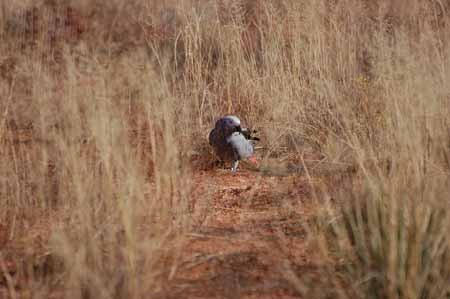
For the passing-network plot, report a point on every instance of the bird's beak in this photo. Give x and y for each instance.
(239, 129)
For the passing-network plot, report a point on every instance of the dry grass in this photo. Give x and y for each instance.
(104, 106)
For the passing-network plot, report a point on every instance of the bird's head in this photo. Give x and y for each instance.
(229, 124)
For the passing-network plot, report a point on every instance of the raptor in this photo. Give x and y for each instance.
(231, 142)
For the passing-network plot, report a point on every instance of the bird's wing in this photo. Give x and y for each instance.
(212, 136)
(242, 147)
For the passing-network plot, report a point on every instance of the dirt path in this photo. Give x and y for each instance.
(248, 241)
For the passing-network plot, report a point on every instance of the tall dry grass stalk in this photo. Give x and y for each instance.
(104, 158)
(391, 230)
(118, 95)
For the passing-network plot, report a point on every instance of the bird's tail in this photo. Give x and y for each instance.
(247, 132)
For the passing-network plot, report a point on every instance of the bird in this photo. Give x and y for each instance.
(231, 142)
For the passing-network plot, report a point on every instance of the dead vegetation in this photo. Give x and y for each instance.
(107, 187)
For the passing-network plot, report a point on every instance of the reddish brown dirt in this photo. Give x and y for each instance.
(249, 239)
